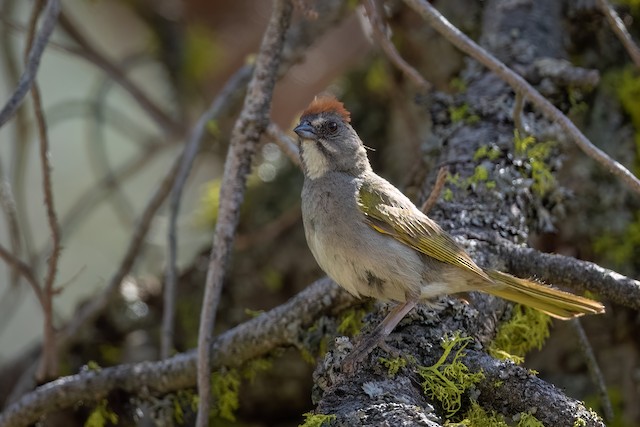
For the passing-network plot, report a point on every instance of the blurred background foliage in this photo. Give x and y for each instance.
(181, 53)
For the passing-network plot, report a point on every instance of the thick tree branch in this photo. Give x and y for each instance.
(572, 273)
(252, 122)
(281, 326)
(51, 12)
(465, 44)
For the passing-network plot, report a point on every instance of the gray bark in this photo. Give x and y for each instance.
(519, 33)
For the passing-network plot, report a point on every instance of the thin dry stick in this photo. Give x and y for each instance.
(441, 179)
(247, 130)
(191, 149)
(518, 107)
(24, 269)
(465, 44)
(621, 31)
(276, 328)
(49, 21)
(48, 366)
(10, 210)
(380, 35)
(88, 313)
(594, 369)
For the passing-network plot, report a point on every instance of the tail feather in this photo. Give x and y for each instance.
(555, 303)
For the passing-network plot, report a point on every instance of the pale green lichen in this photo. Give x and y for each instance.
(490, 152)
(446, 381)
(476, 416)
(528, 420)
(393, 365)
(351, 322)
(536, 154)
(316, 420)
(527, 329)
(461, 114)
(225, 386)
(101, 415)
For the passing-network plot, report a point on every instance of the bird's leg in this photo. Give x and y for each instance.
(381, 331)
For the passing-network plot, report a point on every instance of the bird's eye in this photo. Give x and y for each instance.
(332, 127)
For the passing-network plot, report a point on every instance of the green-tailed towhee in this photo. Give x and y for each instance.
(373, 241)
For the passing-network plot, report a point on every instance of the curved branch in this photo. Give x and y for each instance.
(255, 338)
(50, 19)
(620, 30)
(191, 149)
(465, 44)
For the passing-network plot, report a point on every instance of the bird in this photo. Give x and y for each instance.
(373, 241)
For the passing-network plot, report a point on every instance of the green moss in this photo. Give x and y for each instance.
(316, 420)
(579, 422)
(225, 386)
(447, 195)
(184, 399)
(459, 85)
(476, 416)
(92, 365)
(445, 381)
(101, 416)
(461, 114)
(527, 329)
(528, 420)
(490, 152)
(351, 322)
(537, 155)
(393, 365)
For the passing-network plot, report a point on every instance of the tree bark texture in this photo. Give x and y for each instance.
(518, 33)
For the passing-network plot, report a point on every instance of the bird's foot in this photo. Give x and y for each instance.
(360, 352)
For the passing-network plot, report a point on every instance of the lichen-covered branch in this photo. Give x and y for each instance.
(252, 122)
(281, 326)
(464, 43)
(573, 273)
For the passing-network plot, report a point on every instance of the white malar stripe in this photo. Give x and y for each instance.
(314, 160)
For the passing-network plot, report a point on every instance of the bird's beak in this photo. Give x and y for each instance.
(305, 131)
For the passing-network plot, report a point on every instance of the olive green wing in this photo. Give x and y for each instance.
(387, 213)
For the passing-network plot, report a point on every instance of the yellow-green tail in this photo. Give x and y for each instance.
(555, 303)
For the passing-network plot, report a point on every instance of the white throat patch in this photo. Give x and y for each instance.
(314, 159)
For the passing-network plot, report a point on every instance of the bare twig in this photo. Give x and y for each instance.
(380, 36)
(620, 30)
(25, 271)
(518, 107)
(594, 369)
(246, 133)
(441, 179)
(255, 338)
(464, 43)
(88, 312)
(48, 363)
(162, 119)
(9, 208)
(570, 272)
(285, 142)
(191, 149)
(49, 21)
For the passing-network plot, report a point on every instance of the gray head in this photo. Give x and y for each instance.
(328, 142)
